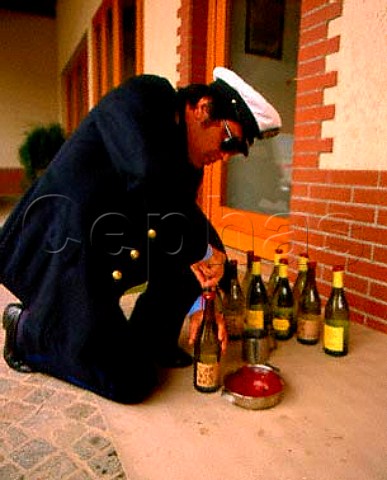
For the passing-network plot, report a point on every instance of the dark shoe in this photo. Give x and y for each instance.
(11, 317)
(176, 358)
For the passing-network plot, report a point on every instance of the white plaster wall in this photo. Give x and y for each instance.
(161, 40)
(74, 20)
(28, 80)
(360, 124)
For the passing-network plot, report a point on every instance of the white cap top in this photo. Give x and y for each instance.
(266, 116)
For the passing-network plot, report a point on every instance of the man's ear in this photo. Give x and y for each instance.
(202, 109)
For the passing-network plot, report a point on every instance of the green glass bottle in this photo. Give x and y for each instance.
(274, 276)
(207, 349)
(255, 344)
(337, 317)
(309, 311)
(282, 305)
(300, 281)
(234, 305)
(247, 276)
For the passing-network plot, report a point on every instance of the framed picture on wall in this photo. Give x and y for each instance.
(264, 27)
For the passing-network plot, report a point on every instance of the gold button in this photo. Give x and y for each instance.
(134, 254)
(152, 233)
(117, 275)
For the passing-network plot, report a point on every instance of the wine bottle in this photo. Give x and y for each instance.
(274, 276)
(309, 311)
(336, 317)
(255, 344)
(234, 305)
(300, 281)
(282, 305)
(247, 276)
(207, 349)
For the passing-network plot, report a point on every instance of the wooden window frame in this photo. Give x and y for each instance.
(100, 54)
(76, 101)
(239, 229)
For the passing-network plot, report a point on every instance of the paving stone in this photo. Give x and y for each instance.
(57, 384)
(80, 411)
(106, 465)
(31, 453)
(3, 447)
(6, 385)
(97, 421)
(43, 419)
(16, 436)
(120, 476)
(81, 475)
(4, 425)
(14, 411)
(4, 368)
(56, 467)
(39, 396)
(20, 391)
(67, 434)
(35, 379)
(10, 472)
(60, 399)
(89, 445)
(13, 388)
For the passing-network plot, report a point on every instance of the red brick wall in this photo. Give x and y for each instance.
(338, 216)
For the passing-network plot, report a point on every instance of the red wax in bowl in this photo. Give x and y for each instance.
(254, 381)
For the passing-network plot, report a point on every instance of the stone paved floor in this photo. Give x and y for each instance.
(49, 429)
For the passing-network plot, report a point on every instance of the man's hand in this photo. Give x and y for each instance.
(195, 322)
(209, 272)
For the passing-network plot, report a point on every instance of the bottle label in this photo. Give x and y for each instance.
(334, 338)
(281, 324)
(308, 326)
(207, 374)
(255, 319)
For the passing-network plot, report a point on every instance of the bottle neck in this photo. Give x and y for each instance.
(256, 268)
(277, 258)
(338, 279)
(209, 309)
(250, 256)
(303, 265)
(311, 277)
(283, 270)
(233, 271)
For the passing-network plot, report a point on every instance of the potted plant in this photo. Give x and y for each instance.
(40, 147)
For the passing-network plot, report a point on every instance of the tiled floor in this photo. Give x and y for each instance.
(51, 430)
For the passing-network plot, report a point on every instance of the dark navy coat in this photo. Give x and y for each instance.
(116, 207)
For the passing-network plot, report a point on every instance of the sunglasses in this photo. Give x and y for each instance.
(233, 144)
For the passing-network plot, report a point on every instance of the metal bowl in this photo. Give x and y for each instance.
(255, 387)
